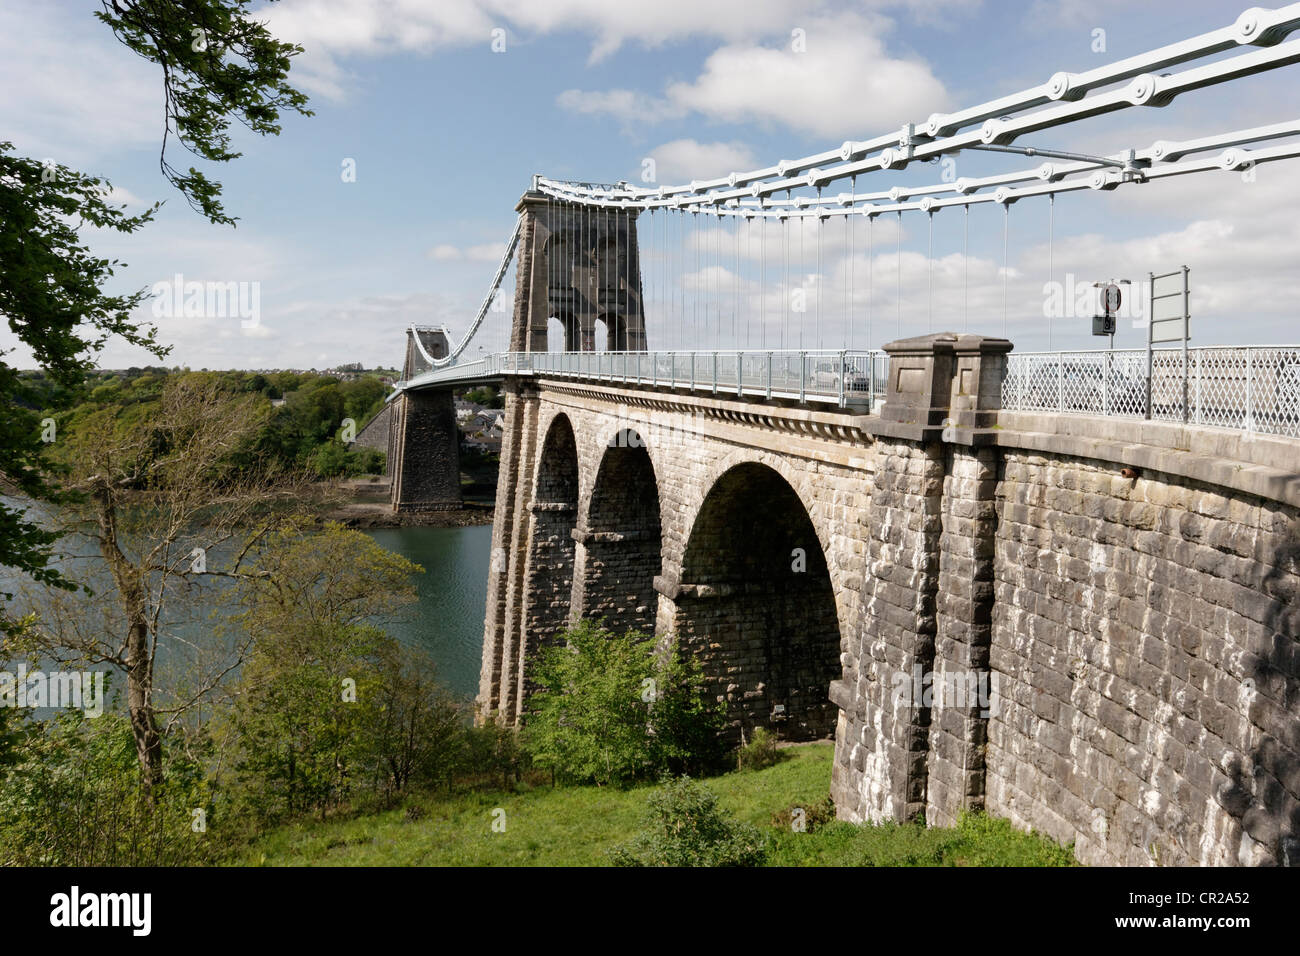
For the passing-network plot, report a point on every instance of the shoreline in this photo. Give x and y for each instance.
(369, 515)
(367, 506)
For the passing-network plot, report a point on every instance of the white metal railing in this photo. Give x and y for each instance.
(843, 378)
(1252, 388)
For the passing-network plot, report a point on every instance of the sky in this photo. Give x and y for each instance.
(444, 109)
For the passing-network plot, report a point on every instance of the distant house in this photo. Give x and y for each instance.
(484, 444)
(487, 420)
(465, 411)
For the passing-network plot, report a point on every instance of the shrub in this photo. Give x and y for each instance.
(814, 816)
(301, 735)
(685, 827)
(492, 749)
(72, 796)
(330, 458)
(369, 461)
(685, 725)
(760, 751)
(610, 709)
(412, 729)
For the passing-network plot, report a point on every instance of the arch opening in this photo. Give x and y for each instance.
(620, 544)
(549, 577)
(558, 334)
(757, 608)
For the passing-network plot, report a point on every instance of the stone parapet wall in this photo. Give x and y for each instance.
(1119, 600)
(1145, 631)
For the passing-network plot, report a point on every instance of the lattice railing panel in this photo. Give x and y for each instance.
(1252, 388)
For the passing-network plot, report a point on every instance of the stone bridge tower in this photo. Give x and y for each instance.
(423, 439)
(579, 265)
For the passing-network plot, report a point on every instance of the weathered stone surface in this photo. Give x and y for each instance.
(723, 544)
(377, 433)
(1138, 638)
(1168, 672)
(424, 460)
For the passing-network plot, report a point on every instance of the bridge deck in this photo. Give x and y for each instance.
(841, 378)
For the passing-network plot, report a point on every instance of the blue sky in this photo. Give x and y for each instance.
(445, 134)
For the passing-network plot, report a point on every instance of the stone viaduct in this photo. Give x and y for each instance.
(1127, 591)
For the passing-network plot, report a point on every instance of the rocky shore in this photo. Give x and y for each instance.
(373, 515)
(366, 506)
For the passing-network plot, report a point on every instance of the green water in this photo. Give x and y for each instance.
(448, 621)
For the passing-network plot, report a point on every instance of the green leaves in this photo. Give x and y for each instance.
(70, 795)
(328, 703)
(335, 576)
(50, 295)
(610, 708)
(218, 65)
(685, 827)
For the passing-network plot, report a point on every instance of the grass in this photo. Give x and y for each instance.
(576, 826)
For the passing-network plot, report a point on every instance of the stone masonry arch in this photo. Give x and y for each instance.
(756, 605)
(829, 517)
(548, 575)
(1086, 626)
(619, 538)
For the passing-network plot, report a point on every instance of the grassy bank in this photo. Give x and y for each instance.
(576, 826)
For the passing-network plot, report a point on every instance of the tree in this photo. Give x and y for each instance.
(326, 697)
(50, 290)
(299, 720)
(610, 708)
(335, 575)
(169, 503)
(218, 65)
(485, 395)
(412, 729)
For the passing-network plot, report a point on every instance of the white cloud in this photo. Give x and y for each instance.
(331, 29)
(631, 106)
(340, 27)
(66, 93)
(684, 159)
(120, 196)
(328, 29)
(486, 252)
(842, 84)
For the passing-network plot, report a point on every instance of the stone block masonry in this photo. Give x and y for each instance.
(425, 452)
(1088, 626)
(1127, 645)
(1146, 632)
(423, 438)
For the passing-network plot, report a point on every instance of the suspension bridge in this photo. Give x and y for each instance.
(716, 432)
